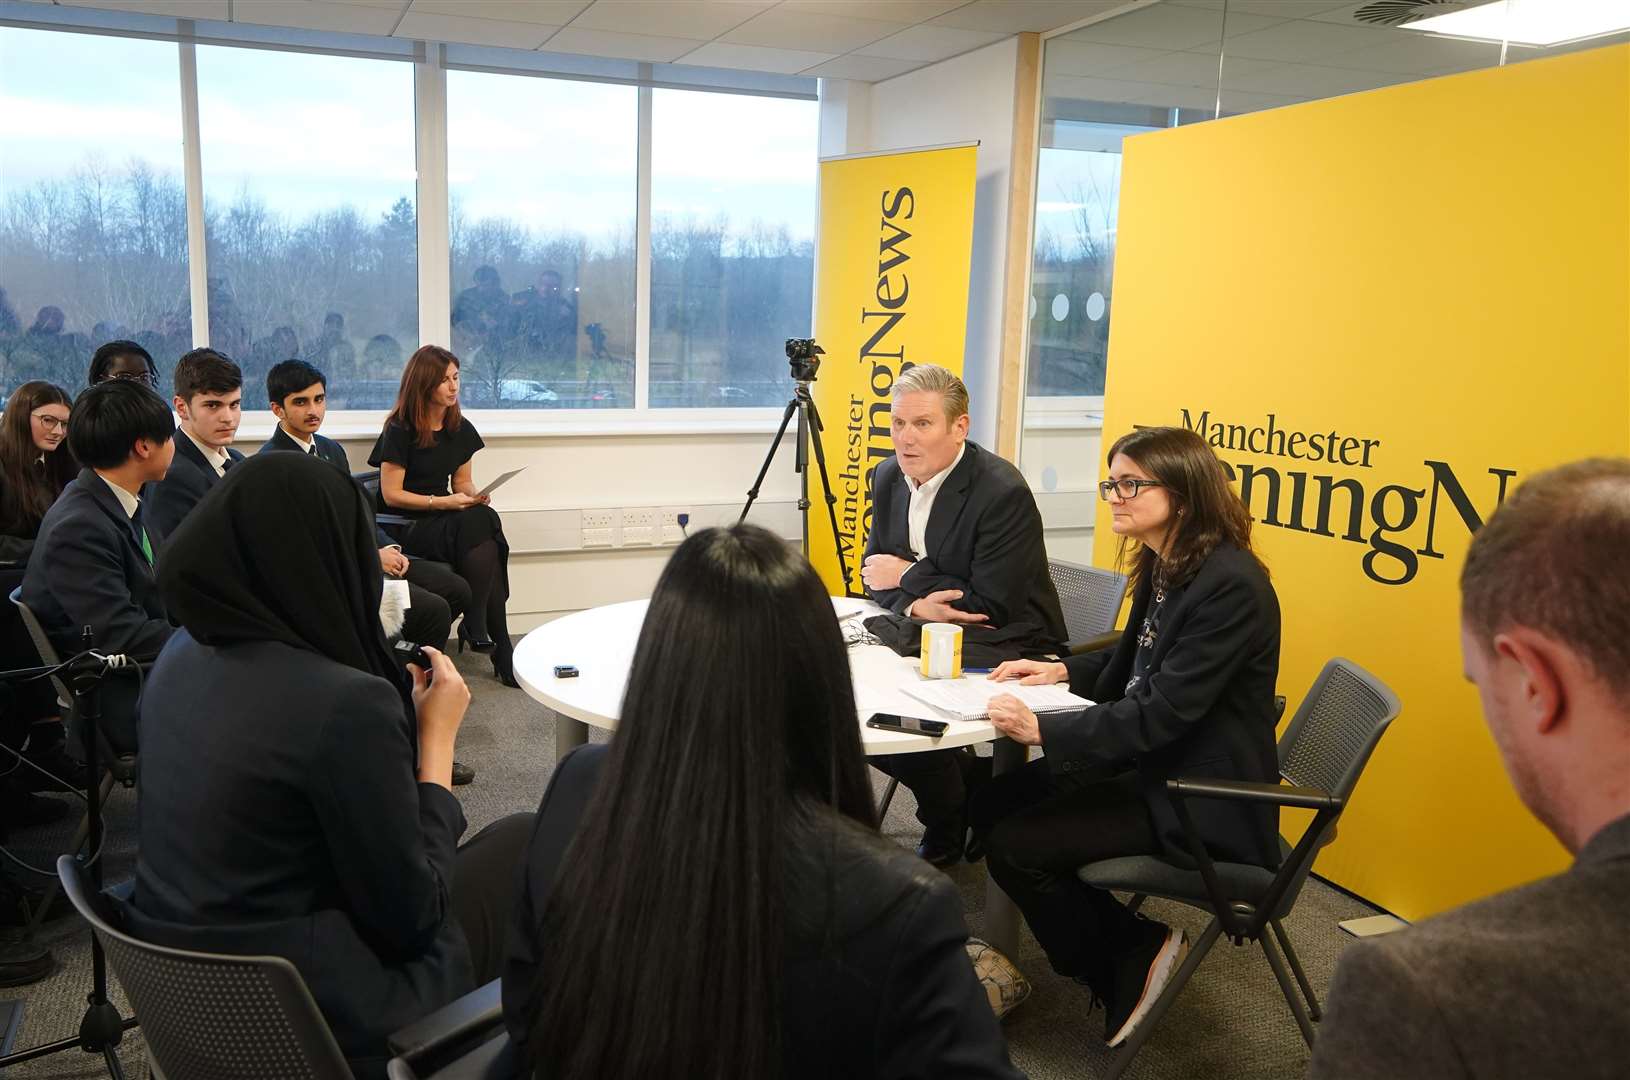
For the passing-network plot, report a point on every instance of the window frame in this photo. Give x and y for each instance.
(431, 62)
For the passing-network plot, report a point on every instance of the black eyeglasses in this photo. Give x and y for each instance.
(1126, 489)
(138, 376)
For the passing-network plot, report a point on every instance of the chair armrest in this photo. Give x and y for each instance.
(392, 519)
(1093, 644)
(1244, 791)
(472, 1018)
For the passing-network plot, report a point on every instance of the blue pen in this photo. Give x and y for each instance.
(977, 670)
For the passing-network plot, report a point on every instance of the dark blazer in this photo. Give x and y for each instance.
(299, 831)
(984, 537)
(889, 994)
(189, 480)
(87, 569)
(1525, 985)
(1204, 709)
(327, 449)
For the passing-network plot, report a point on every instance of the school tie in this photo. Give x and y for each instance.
(142, 541)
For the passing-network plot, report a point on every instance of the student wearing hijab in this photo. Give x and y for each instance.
(310, 814)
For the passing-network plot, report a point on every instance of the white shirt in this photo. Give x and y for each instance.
(216, 458)
(922, 504)
(126, 500)
(303, 444)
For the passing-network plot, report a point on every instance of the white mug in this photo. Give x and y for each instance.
(942, 651)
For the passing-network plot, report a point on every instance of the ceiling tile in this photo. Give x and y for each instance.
(1187, 69)
(930, 43)
(697, 20)
(1308, 80)
(1066, 56)
(1301, 41)
(1414, 53)
(1020, 16)
(656, 50)
(340, 18)
(1287, 9)
(1167, 28)
(900, 11)
(546, 12)
(728, 54)
(863, 68)
(432, 27)
(178, 9)
(779, 28)
(1240, 101)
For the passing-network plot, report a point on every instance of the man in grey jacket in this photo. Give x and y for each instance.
(1530, 983)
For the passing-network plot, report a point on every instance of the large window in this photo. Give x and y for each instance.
(732, 245)
(309, 212)
(542, 185)
(93, 211)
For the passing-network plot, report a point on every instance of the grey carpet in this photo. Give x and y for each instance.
(1230, 1022)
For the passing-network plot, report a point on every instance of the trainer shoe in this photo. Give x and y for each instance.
(1140, 977)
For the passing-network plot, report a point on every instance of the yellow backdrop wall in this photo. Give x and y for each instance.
(1385, 311)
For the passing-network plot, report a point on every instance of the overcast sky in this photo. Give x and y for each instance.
(307, 133)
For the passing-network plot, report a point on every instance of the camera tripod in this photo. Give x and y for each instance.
(803, 356)
(101, 1028)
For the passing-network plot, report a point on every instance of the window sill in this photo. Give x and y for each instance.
(546, 424)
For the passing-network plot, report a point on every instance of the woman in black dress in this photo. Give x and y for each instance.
(423, 457)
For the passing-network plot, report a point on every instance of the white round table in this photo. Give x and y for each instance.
(600, 642)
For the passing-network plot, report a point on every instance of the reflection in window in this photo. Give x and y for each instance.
(309, 176)
(542, 177)
(732, 245)
(93, 215)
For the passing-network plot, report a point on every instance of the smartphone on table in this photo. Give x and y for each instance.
(908, 725)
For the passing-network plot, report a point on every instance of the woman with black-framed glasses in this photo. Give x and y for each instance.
(122, 360)
(1187, 691)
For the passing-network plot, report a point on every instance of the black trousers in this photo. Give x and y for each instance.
(940, 780)
(486, 880)
(1038, 830)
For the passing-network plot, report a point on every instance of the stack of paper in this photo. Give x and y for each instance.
(969, 699)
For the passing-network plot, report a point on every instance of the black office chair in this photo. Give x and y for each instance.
(121, 767)
(1091, 599)
(464, 1041)
(210, 1017)
(1322, 754)
(370, 487)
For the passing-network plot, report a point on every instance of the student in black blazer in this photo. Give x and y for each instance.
(298, 395)
(955, 537)
(93, 560)
(209, 400)
(311, 818)
(1188, 691)
(708, 897)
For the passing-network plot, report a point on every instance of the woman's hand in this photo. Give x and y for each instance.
(1014, 719)
(458, 500)
(440, 699)
(1029, 672)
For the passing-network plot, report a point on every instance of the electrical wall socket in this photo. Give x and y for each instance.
(669, 520)
(597, 528)
(599, 519)
(597, 538)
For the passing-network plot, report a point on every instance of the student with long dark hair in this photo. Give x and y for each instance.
(35, 463)
(309, 813)
(708, 897)
(1188, 691)
(423, 457)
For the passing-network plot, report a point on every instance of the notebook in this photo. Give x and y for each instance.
(968, 699)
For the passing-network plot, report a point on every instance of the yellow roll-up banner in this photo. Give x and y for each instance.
(1385, 312)
(896, 238)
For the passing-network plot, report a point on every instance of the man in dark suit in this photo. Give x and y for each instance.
(1530, 983)
(92, 564)
(209, 400)
(298, 394)
(956, 537)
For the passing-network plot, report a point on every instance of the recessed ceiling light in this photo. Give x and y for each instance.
(1531, 22)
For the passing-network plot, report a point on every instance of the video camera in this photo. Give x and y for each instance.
(804, 357)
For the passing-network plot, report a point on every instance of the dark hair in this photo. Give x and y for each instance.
(1206, 511)
(205, 371)
(106, 354)
(1556, 557)
(423, 373)
(738, 727)
(29, 493)
(110, 416)
(291, 377)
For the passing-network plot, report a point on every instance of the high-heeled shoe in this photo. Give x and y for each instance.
(480, 645)
(503, 667)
